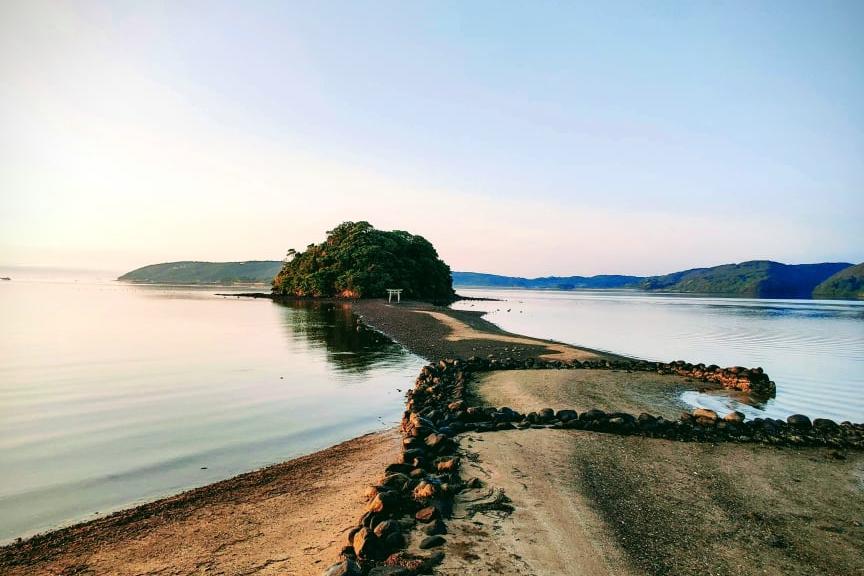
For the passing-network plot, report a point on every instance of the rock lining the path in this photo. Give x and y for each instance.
(416, 493)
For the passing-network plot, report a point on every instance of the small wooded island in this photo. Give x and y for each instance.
(358, 261)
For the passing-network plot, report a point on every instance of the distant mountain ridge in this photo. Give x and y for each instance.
(481, 280)
(755, 279)
(847, 283)
(191, 272)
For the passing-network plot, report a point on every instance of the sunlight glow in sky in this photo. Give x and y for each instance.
(524, 138)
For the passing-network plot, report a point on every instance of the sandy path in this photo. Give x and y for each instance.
(287, 519)
(461, 331)
(553, 530)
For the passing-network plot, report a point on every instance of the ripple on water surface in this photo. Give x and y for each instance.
(116, 394)
(812, 349)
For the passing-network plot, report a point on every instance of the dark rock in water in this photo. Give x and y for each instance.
(799, 421)
(344, 568)
(824, 424)
(432, 542)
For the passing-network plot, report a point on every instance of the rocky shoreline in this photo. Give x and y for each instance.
(419, 489)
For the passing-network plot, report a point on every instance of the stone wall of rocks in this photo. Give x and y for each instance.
(416, 494)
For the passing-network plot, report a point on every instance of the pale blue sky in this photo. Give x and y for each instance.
(520, 137)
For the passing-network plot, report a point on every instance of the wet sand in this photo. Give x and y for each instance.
(435, 332)
(581, 390)
(290, 518)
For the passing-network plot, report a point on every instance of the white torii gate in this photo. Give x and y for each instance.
(394, 291)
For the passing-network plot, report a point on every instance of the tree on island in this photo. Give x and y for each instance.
(358, 261)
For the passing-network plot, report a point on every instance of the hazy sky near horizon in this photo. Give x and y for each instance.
(525, 138)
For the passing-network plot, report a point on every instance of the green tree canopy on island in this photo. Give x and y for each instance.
(358, 261)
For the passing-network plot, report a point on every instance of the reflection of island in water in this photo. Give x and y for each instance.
(350, 346)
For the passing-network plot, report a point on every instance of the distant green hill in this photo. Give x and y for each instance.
(756, 279)
(254, 271)
(480, 280)
(847, 283)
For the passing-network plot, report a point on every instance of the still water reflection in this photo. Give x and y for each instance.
(114, 394)
(812, 349)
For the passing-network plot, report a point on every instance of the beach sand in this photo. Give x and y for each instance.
(290, 518)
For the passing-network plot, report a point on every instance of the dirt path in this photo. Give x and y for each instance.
(285, 519)
(553, 529)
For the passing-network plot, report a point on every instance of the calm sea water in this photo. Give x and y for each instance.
(812, 349)
(114, 394)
